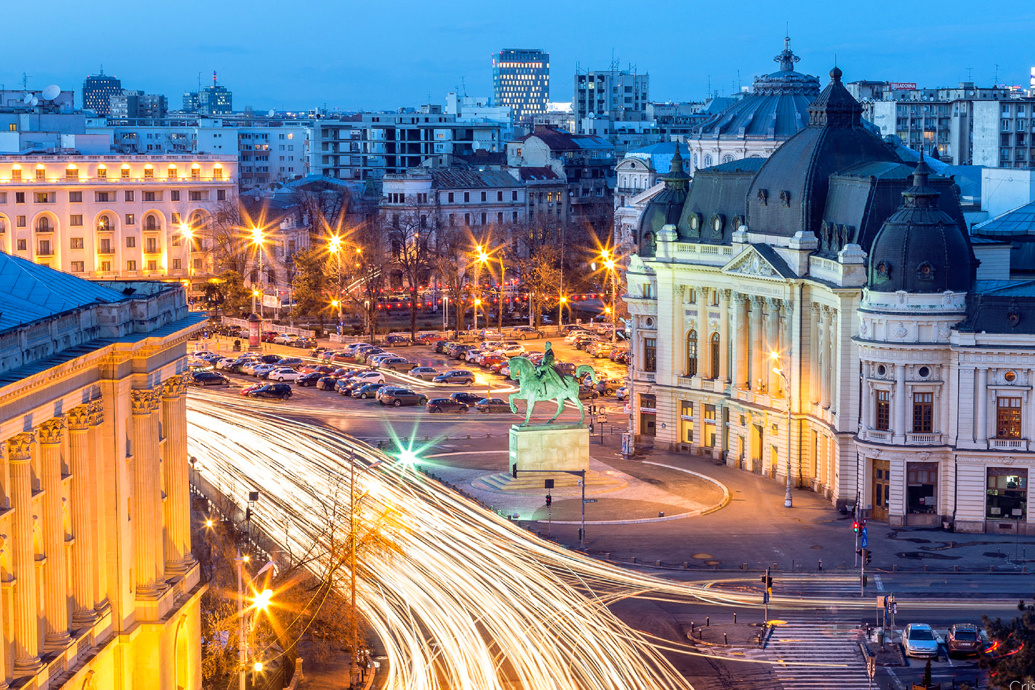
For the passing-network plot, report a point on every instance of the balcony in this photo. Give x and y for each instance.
(1008, 443)
(924, 439)
(878, 436)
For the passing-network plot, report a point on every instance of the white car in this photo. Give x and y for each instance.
(249, 368)
(919, 640)
(283, 374)
(570, 338)
(369, 377)
(425, 373)
(376, 360)
(352, 347)
(284, 339)
(471, 355)
(224, 362)
(512, 349)
(261, 370)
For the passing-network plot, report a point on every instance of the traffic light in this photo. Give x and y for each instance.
(855, 526)
(858, 552)
(867, 555)
(549, 500)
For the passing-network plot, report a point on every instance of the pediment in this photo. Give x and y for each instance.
(751, 262)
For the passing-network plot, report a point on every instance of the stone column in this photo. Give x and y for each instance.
(870, 405)
(981, 394)
(899, 425)
(757, 346)
(703, 348)
(772, 343)
(741, 372)
(55, 574)
(178, 557)
(98, 491)
(26, 623)
(724, 335)
(823, 357)
(786, 345)
(83, 555)
(813, 355)
(834, 361)
(147, 506)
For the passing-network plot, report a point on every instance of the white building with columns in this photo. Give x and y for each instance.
(99, 587)
(821, 315)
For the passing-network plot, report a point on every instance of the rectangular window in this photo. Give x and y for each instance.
(21, 245)
(105, 267)
(41, 197)
(102, 173)
(131, 265)
(75, 221)
(650, 354)
(1006, 493)
(174, 195)
(71, 175)
(882, 419)
(131, 242)
(149, 196)
(152, 265)
(923, 418)
(151, 245)
(19, 197)
(467, 196)
(105, 247)
(128, 195)
(1008, 418)
(217, 174)
(195, 173)
(41, 174)
(921, 487)
(149, 173)
(450, 197)
(125, 174)
(75, 243)
(197, 263)
(513, 196)
(176, 264)
(44, 248)
(16, 175)
(220, 195)
(176, 218)
(196, 196)
(75, 197)
(103, 197)
(78, 267)
(131, 219)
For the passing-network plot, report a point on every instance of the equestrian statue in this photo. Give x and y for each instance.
(546, 382)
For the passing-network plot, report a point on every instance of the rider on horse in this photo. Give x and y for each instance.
(546, 374)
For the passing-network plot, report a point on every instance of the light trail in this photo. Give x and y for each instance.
(471, 601)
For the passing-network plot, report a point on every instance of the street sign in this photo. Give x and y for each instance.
(590, 500)
(863, 540)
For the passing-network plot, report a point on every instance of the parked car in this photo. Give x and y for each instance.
(364, 356)
(575, 333)
(618, 350)
(375, 360)
(366, 390)
(919, 640)
(284, 338)
(570, 327)
(460, 351)
(290, 361)
(249, 366)
(368, 377)
(396, 364)
(393, 340)
(583, 341)
(441, 345)
(310, 379)
(461, 376)
(276, 391)
(425, 373)
(345, 387)
(248, 389)
(209, 378)
(587, 393)
(497, 367)
(466, 398)
(471, 355)
(271, 359)
(964, 639)
(622, 393)
(261, 370)
(397, 397)
(304, 341)
(317, 351)
(488, 360)
(525, 333)
(600, 349)
(492, 406)
(283, 374)
(326, 383)
(512, 348)
(268, 336)
(445, 405)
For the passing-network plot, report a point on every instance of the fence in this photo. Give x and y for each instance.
(293, 330)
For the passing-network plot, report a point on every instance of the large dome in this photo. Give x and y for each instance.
(790, 190)
(666, 206)
(776, 108)
(920, 248)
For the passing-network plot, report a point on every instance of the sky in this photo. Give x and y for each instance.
(383, 55)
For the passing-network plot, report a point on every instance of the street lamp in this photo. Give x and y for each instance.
(258, 239)
(335, 248)
(561, 301)
(611, 266)
(788, 502)
(353, 670)
(188, 234)
(260, 602)
(484, 259)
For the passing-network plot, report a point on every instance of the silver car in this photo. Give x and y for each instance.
(425, 373)
(919, 640)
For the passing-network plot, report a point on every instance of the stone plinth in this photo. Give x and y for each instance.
(549, 447)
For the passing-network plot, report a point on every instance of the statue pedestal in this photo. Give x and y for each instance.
(549, 447)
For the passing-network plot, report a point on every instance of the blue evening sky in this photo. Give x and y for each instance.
(380, 55)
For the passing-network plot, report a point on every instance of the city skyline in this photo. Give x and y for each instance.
(682, 56)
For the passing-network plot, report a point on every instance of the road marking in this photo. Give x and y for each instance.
(880, 585)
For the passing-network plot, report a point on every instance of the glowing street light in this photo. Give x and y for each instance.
(258, 239)
(788, 501)
(561, 301)
(261, 602)
(609, 263)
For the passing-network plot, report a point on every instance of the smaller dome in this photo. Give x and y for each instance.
(666, 207)
(920, 248)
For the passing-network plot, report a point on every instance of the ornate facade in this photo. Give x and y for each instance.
(99, 587)
(818, 314)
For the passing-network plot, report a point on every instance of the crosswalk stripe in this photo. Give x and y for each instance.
(832, 646)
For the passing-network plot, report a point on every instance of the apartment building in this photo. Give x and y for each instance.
(521, 82)
(1002, 133)
(450, 197)
(112, 216)
(615, 95)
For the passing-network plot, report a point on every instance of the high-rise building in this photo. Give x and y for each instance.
(521, 82)
(618, 95)
(137, 104)
(98, 90)
(190, 101)
(215, 99)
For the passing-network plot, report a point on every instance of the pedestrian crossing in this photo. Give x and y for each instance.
(833, 585)
(832, 646)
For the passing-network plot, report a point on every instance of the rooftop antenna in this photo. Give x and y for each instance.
(970, 74)
(995, 80)
(25, 81)
(102, 70)
(463, 84)
(213, 77)
(709, 86)
(738, 80)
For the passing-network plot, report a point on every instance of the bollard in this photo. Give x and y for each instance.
(661, 514)
(955, 568)
(691, 628)
(820, 565)
(725, 640)
(633, 559)
(734, 616)
(707, 621)
(657, 563)
(607, 555)
(686, 566)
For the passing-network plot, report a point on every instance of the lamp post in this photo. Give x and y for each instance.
(334, 246)
(483, 259)
(261, 602)
(788, 502)
(612, 270)
(561, 301)
(188, 234)
(257, 240)
(354, 667)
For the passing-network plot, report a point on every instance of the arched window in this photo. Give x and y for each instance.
(695, 160)
(103, 224)
(43, 224)
(691, 353)
(707, 160)
(150, 223)
(715, 355)
(727, 158)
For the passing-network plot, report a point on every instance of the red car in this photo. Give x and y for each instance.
(490, 360)
(268, 336)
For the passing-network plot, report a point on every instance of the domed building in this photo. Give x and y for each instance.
(822, 318)
(753, 127)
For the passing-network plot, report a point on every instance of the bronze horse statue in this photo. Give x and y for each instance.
(546, 383)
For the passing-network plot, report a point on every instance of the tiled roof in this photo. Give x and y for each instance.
(559, 140)
(1020, 221)
(456, 178)
(30, 292)
(538, 174)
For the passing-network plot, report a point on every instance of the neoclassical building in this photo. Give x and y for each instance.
(98, 587)
(824, 314)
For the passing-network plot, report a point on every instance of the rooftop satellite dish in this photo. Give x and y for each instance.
(27, 99)
(34, 102)
(51, 92)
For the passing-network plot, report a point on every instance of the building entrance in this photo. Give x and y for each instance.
(881, 486)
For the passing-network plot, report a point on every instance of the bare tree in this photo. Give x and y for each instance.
(322, 207)
(450, 265)
(410, 236)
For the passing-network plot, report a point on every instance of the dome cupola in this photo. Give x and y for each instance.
(667, 206)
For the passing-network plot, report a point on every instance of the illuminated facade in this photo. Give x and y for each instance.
(100, 589)
(521, 82)
(112, 216)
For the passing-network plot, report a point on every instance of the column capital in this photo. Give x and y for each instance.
(144, 401)
(52, 431)
(19, 446)
(173, 388)
(724, 293)
(79, 418)
(741, 298)
(96, 412)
